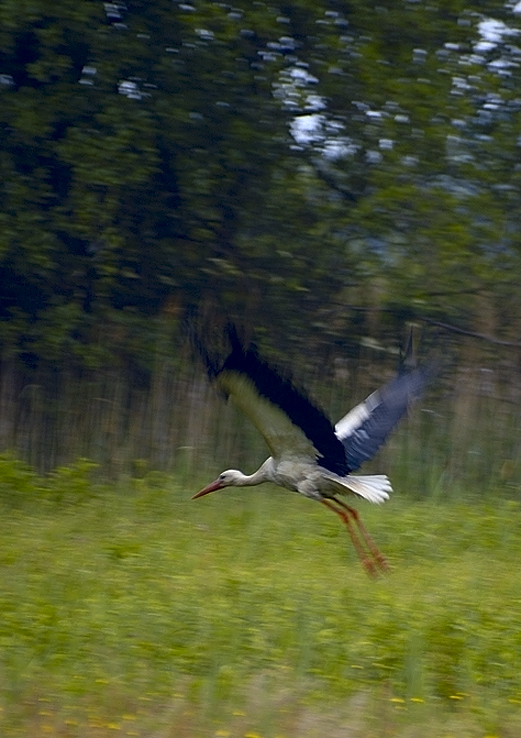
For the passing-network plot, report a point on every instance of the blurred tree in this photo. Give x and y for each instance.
(274, 162)
(429, 175)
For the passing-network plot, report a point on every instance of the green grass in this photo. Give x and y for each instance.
(134, 611)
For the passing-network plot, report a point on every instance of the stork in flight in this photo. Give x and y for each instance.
(308, 454)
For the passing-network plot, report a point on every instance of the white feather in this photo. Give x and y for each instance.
(358, 415)
(374, 487)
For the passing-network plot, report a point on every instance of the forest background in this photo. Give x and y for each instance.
(327, 175)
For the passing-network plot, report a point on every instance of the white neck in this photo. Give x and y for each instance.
(263, 474)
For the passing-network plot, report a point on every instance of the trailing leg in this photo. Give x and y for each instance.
(367, 556)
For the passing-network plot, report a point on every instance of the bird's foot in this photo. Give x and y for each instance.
(376, 565)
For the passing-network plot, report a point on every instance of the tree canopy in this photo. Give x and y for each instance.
(287, 163)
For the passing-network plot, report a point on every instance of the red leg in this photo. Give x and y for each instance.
(368, 564)
(348, 514)
(371, 545)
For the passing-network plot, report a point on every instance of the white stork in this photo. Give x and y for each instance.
(308, 454)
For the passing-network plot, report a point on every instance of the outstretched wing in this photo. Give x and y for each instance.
(366, 427)
(291, 424)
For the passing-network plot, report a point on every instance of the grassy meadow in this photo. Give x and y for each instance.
(131, 610)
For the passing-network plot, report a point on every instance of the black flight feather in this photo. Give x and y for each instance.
(382, 410)
(292, 401)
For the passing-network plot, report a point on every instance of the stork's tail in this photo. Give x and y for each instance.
(374, 487)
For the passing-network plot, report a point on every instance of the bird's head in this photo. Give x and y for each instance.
(229, 478)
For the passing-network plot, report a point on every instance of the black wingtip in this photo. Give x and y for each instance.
(428, 370)
(198, 346)
(238, 342)
(233, 337)
(207, 344)
(407, 358)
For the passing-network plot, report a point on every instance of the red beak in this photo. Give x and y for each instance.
(210, 488)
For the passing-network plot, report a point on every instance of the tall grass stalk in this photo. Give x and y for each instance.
(467, 428)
